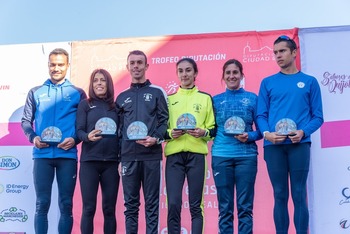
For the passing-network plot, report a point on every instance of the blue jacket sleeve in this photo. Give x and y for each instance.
(262, 109)
(28, 116)
(316, 111)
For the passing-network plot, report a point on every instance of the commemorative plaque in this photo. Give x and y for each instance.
(137, 130)
(234, 126)
(186, 122)
(107, 126)
(51, 135)
(285, 127)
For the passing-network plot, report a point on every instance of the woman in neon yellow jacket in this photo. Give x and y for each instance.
(191, 126)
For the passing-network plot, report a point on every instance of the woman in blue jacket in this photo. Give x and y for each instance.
(96, 127)
(234, 151)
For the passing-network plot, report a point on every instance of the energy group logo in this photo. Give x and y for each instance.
(9, 163)
(16, 188)
(13, 214)
(1, 188)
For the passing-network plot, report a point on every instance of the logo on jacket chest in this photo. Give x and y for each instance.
(245, 101)
(67, 98)
(147, 97)
(127, 100)
(197, 107)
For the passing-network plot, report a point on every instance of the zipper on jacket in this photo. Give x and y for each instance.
(54, 117)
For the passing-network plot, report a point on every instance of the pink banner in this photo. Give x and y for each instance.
(210, 51)
(335, 134)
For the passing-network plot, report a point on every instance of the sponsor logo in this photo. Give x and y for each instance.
(12, 232)
(1, 188)
(13, 214)
(9, 163)
(15, 188)
(127, 100)
(171, 87)
(43, 97)
(5, 87)
(262, 54)
(335, 82)
(344, 223)
(111, 63)
(346, 196)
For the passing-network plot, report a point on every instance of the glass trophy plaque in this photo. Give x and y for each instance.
(186, 122)
(107, 126)
(51, 135)
(285, 127)
(137, 131)
(234, 126)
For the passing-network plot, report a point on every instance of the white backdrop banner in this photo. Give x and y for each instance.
(325, 55)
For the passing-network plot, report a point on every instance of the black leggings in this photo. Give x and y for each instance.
(181, 166)
(91, 175)
(289, 161)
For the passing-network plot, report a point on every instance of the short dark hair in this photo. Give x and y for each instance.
(232, 61)
(110, 87)
(290, 42)
(191, 61)
(137, 52)
(60, 51)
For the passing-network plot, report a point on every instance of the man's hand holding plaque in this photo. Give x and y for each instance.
(51, 135)
(285, 127)
(137, 130)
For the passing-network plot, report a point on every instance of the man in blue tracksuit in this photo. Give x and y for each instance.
(53, 105)
(293, 98)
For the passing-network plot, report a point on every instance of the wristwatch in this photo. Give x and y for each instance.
(159, 141)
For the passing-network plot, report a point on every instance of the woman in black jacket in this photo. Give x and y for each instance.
(96, 126)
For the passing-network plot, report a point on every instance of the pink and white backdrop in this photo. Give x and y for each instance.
(323, 53)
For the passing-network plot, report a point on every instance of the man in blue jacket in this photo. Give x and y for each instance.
(289, 111)
(51, 108)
